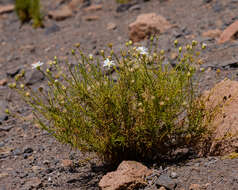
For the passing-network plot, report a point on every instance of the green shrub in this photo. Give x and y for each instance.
(148, 111)
(29, 10)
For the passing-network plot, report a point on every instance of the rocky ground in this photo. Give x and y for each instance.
(31, 159)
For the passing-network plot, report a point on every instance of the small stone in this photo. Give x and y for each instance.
(91, 18)
(34, 76)
(61, 14)
(3, 115)
(195, 187)
(66, 163)
(123, 7)
(93, 8)
(34, 182)
(6, 128)
(166, 182)
(135, 8)
(174, 175)
(28, 150)
(111, 26)
(46, 162)
(36, 168)
(207, 1)
(6, 9)
(52, 29)
(3, 82)
(3, 175)
(13, 72)
(16, 152)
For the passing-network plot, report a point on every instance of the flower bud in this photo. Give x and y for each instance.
(175, 43)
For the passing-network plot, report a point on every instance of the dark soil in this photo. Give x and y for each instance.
(31, 159)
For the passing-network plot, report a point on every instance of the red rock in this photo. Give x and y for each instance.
(3, 82)
(129, 174)
(111, 26)
(224, 96)
(212, 33)
(6, 8)
(229, 33)
(66, 163)
(61, 14)
(146, 25)
(92, 8)
(91, 18)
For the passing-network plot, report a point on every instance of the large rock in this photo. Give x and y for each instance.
(129, 175)
(224, 98)
(146, 25)
(229, 33)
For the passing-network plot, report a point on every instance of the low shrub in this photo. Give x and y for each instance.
(28, 10)
(149, 110)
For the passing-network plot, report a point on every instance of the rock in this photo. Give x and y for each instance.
(111, 26)
(93, 8)
(146, 25)
(12, 73)
(3, 107)
(128, 175)
(135, 8)
(229, 33)
(67, 163)
(16, 152)
(91, 18)
(195, 187)
(6, 9)
(173, 175)
(34, 182)
(207, 1)
(52, 29)
(225, 124)
(212, 33)
(162, 188)
(3, 82)
(33, 77)
(61, 14)
(3, 175)
(124, 7)
(166, 182)
(76, 4)
(28, 150)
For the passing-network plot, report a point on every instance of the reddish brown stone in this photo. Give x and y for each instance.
(146, 25)
(229, 33)
(223, 98)
(6, 8)
(128, 175)
(61, 14)
(93, 8)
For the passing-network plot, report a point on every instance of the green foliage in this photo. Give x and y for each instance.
(29, 10)
(150, 110)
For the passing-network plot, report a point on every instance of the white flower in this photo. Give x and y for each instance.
(108, 63)
(37, 65)
(142, 50)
